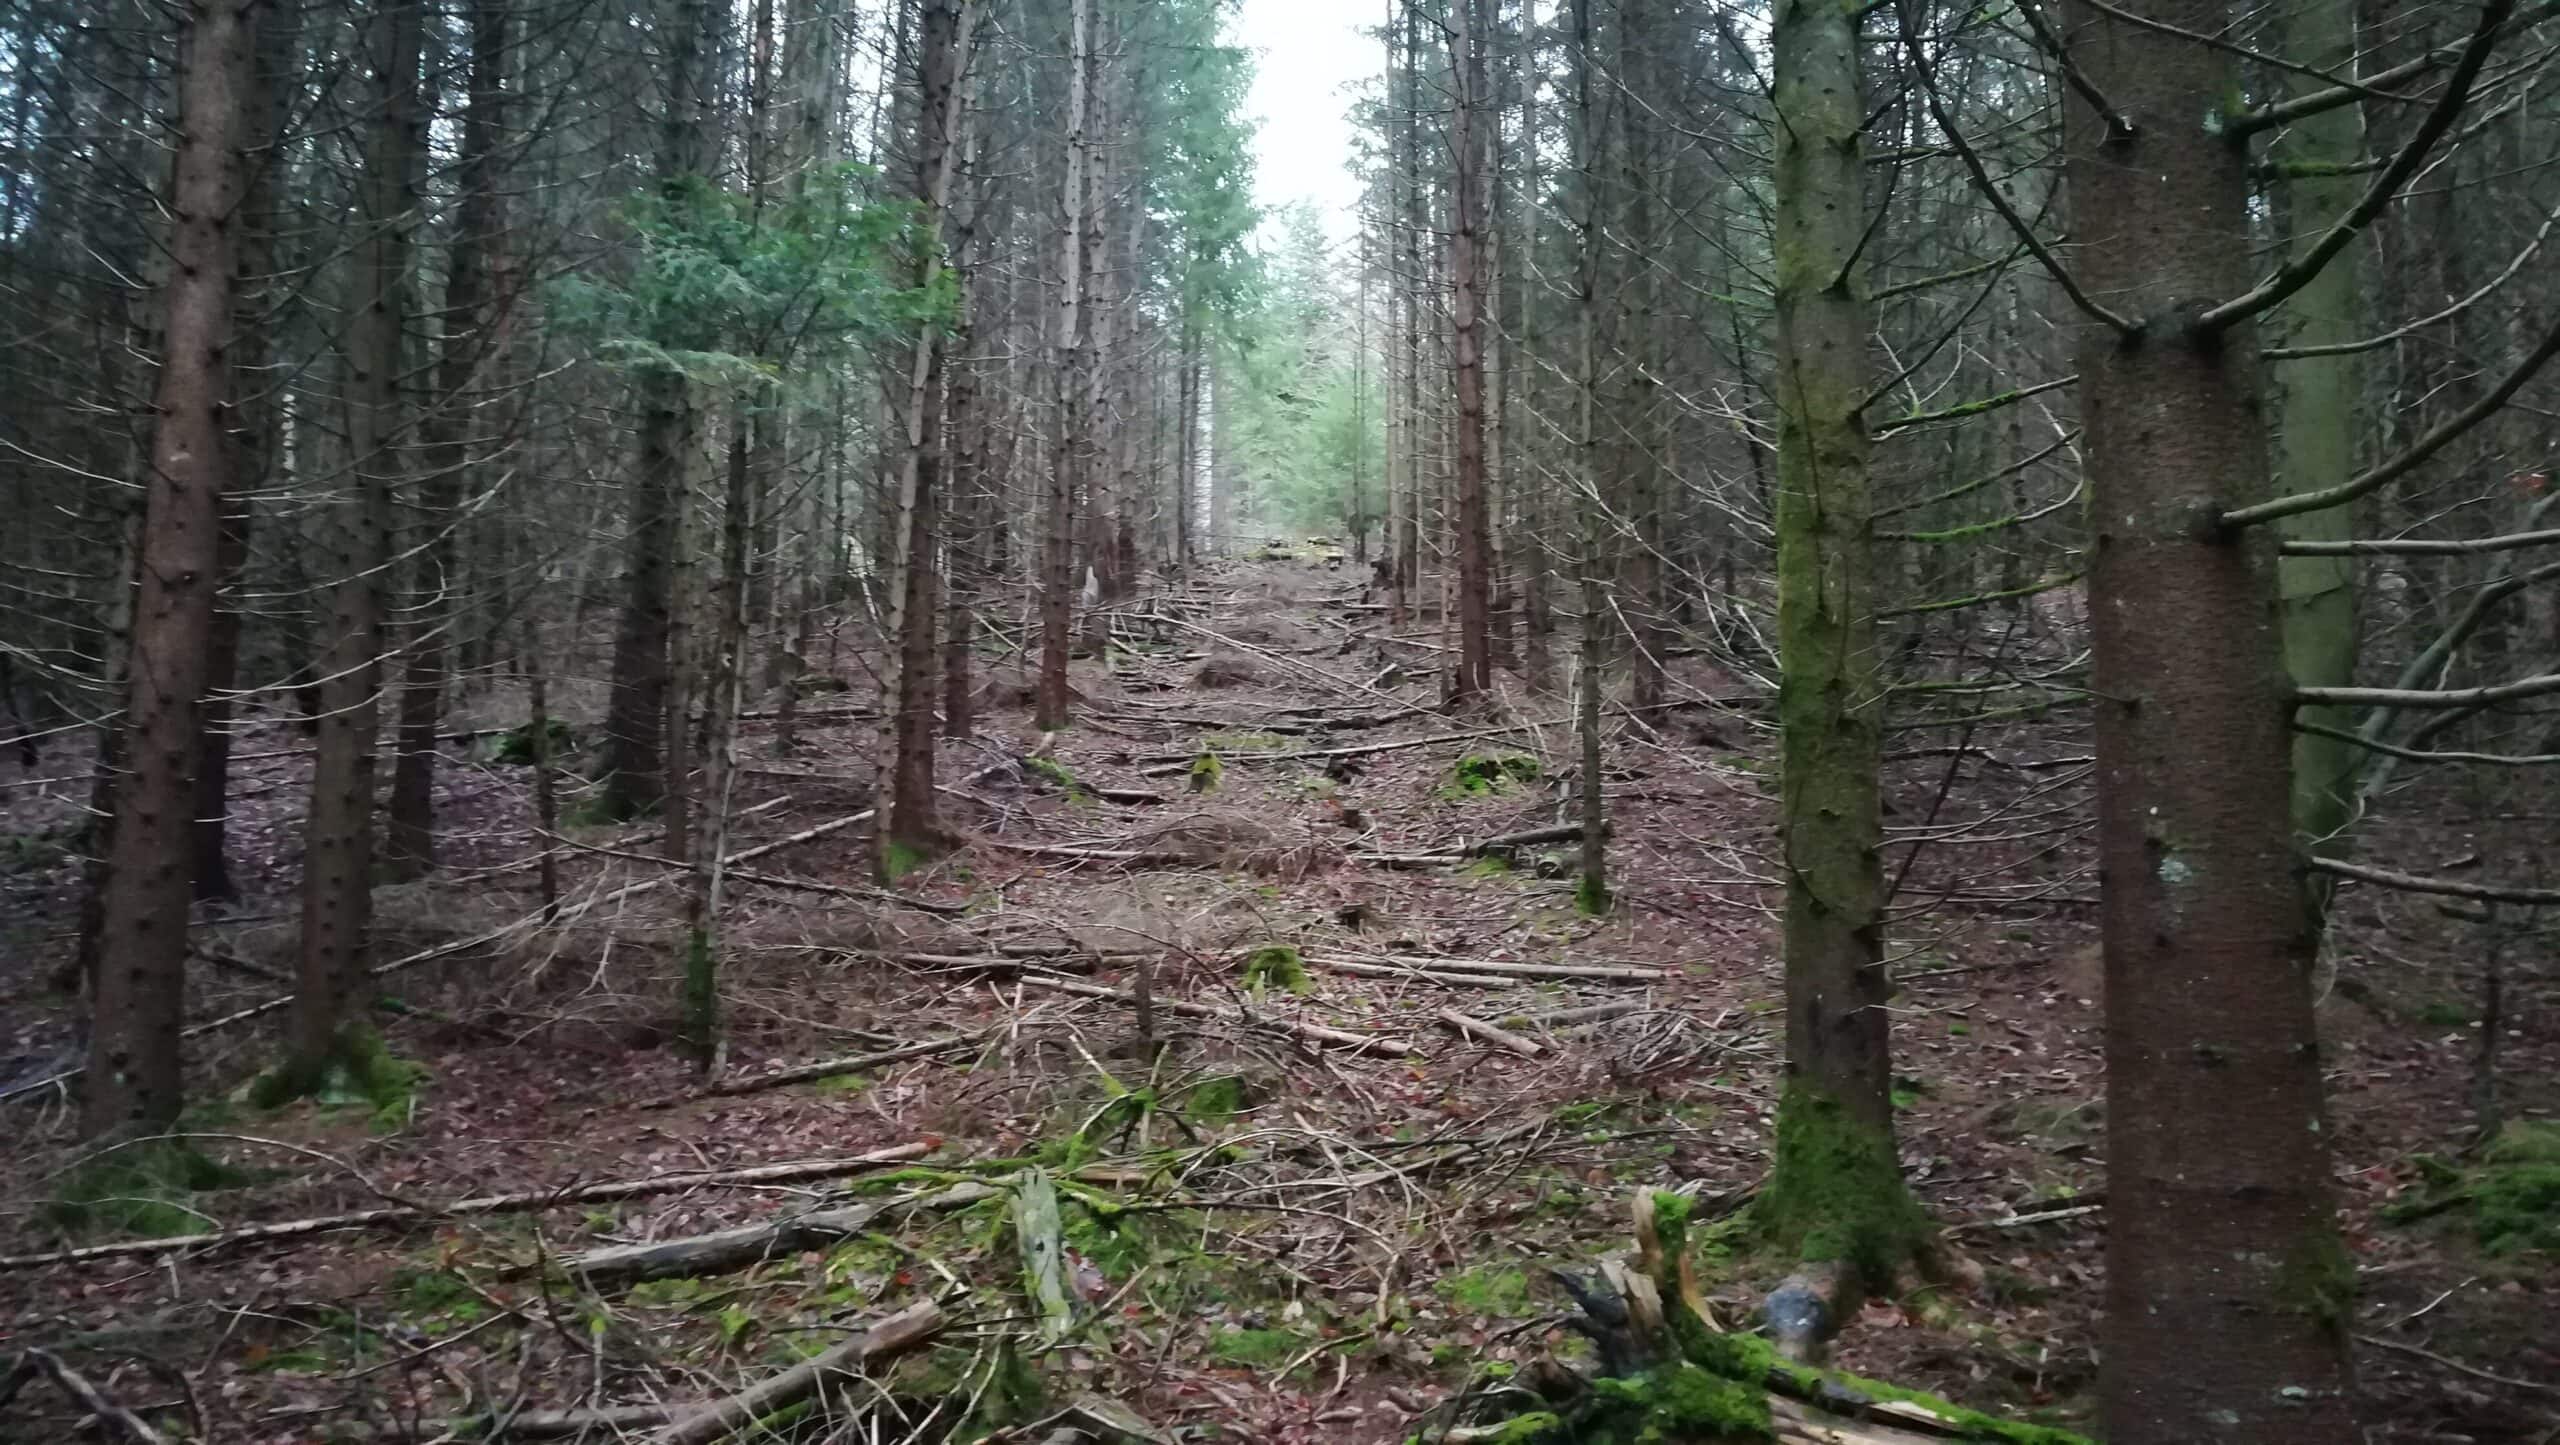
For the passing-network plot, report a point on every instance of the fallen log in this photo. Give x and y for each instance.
(1318, 1033)
(403, 1215)
(1416, 973)
(1607, 972)
(719, 1252)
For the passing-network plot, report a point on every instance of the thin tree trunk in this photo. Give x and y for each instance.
(2228, 1288)
(911, 828)
(133, 1079)
(469, 318)
(1474, 544)
(1057, 541)
(337, 850)
(1591, 888)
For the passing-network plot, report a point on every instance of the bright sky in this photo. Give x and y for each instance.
(1309, 57)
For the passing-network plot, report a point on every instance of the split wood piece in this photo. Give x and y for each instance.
(1476, 1028)
(1610, 972)
(402, 1215)
(87, 1396)
(1319, 1033)
(821, 1069)
(1042, 1238)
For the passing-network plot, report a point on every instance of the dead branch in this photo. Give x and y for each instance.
(1476, 1028)
(1319, 1033)
(1610, 972)
(895, 1335)
(401, 1216)
(620, 1265)
(82, 1393)
(819, 1069)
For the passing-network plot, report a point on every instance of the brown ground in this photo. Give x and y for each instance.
(1368, 1236)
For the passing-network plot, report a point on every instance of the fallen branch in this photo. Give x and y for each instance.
(820, 1069)
(719, 1252)
(1319, 1033)
(401, 1216)
(1417, 974)
(895, 1335)
(1476, 1028)
(1611, 972)
(82, 1393)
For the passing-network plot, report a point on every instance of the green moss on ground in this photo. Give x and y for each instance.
(1276, 966)
(1257, 1349)
(1057, 775)
(2511, 1197)
(143, 1189)
(1207, 773)
(1216, 1099)
(898, 859)
(1591, 897)
(1489, 1289)
(1482, 775)
(515, 746)
(361, 1072)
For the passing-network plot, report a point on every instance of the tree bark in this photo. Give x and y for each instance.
(2227, 1285)
(1835, 1191)
(1067, 364)
(337, 847)
(911, 828)
(134, 1081)
(470, 317)
(1474, 541)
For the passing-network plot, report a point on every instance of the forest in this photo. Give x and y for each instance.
(792, 721)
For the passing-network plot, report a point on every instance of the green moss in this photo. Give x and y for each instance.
(2516, 1201)
(1482, 775)
(360, 1072)
(1276, 965)
(1489, 1289)
(1207, 773)
(1259, 1349)
(1591, 896)
(1491, 865)
(142, 1188)
(899, 858)
(1674, 1405)
(2439, 1014)
(1835, 1192)
(1216, 1099)
(516, 746)
(1969, 1425)
(2319, 1279)
(1243, 742)
(699, 1027)
(1057, 774)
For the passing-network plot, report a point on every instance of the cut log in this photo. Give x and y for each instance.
(623, 1265)
(401, 1216)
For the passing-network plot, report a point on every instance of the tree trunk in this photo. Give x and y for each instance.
(2228, 1288)
(2320, 400)
(635, 773)
(470, 313)
(1474, 542)
(911, 828)
(337, 849)
(1835, 1192)
(1591, 887)
(1057, 539)
(133, 1080)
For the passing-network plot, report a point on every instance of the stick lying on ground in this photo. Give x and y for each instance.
(821, 1069)
(700, 1424)
(1476, 1028)
(400, 1215)
(43, 1362)
(1320, 1033)
(618, 1266)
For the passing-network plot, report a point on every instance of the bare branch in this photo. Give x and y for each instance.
(2426, 698)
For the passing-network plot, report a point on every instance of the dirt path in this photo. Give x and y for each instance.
(1311, 1190)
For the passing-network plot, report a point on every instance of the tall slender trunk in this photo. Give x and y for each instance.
(1591, 887)
(911, 827)
(470, 313)
(2318, 419)
(133, 1081)
(1473, 540)
(337, 848)
(253, 414)
(1067, 363)
(1835, 1193)
(1638, 429)
(635, 766)
(2228, 1288)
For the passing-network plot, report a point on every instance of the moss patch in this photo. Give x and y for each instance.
(1489, 1289)
(898, 859)
(516, 747)
(142, 1188)
(1215, 1100)
(1207, 773)
(1276, 966)
(2516, 1202)
(1482, 775)
(1258, 1349)
(1836, 1193)
(1591, 896)
(361, 1073)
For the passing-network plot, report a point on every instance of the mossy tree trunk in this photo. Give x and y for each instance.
(2320, 396)
(2227, 1285)
(1835, 1192)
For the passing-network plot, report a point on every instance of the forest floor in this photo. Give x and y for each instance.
(1267, 1237)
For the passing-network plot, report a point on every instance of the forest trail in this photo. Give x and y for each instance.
(1395, 1075)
